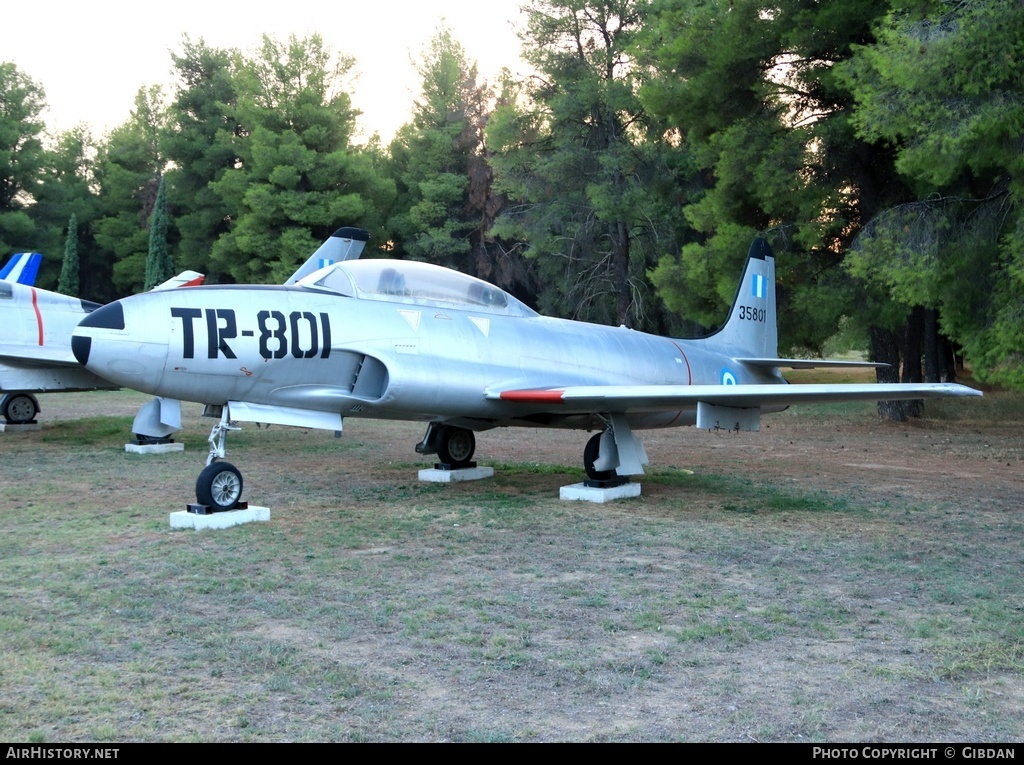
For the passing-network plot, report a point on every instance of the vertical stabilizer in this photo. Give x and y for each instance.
(22, 268)
(344, 244)
(753, 323)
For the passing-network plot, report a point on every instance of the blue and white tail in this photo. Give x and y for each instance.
(22, 268)
(752, 326)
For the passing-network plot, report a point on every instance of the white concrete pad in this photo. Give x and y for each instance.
(186, 520)
(153, 448)
(15, 427)
(581, 491)
(461, 474)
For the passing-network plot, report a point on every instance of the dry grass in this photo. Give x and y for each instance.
(828, 579)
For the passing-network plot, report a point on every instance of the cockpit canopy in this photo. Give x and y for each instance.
(412, 282)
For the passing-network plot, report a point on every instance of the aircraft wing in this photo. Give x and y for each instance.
(653, 398)
(42, 356)
(810, 364)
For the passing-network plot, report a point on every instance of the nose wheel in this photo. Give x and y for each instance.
(219, 485)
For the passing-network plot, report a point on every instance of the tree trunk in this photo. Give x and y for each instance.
(620, 274)
(912, 334)
(931, 345)
(885, 348)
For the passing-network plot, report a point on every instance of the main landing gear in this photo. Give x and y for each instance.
(453, 446)
(19, 408)
(614, 454)
(219, 486)
(591, 454)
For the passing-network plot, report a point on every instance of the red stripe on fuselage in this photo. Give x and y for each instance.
(533, 396)
(39, 316)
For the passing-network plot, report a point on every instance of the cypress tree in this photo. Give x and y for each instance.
(158, 263)
(68, 282)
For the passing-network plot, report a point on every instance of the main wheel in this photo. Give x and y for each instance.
(590, 454)
(456, 445)
(20, 408)
(219, 486)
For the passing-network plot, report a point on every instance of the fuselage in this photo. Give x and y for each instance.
(384, 353)
(35, 352)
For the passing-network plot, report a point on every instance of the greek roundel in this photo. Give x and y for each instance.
(727, 377)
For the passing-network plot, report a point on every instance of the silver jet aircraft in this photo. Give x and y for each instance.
(413, 341)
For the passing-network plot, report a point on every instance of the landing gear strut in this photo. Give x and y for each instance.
(219, 485)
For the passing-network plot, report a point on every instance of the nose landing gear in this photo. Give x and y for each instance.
(219, 486)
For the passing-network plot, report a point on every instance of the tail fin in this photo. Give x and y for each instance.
(22, 268)
(184, 279)
(753, 323)
(344, 244)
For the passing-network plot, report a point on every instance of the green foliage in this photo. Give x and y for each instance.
(67, 188)
(296, 176)
(201, 143)
(129, 168)
(749, 87)
(593, 189)
(942, 85)
(68, 282)
(432, 156)
(22, 101)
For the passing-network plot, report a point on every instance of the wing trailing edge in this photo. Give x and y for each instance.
(652, 398)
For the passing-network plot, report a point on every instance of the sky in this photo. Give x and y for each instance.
(91, 58)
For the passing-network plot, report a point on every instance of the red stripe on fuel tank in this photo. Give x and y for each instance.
(533, 396)
(39, 316)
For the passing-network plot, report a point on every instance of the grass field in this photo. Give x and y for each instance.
(831, 578)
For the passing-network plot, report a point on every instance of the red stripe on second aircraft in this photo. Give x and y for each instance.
(39, 316)
(533, 396)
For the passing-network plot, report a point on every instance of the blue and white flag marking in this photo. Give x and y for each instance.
(758, 285)
(324, 262)
(22, 268)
